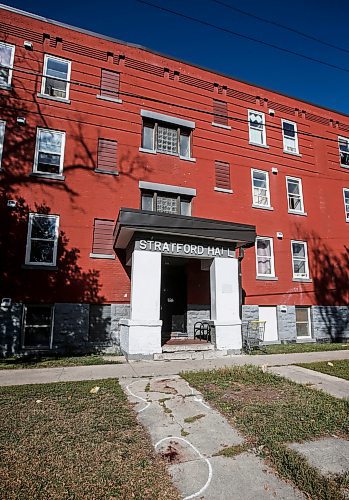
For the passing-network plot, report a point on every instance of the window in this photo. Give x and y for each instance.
(49, 152)
(107, 156)
(7, 54)
(300, 259)
(110, 83)
(290, 137)
(260, 188)
(303, 327)
(37, 326)
(265, 257)
(346, 203)
(166, 134)
(55, 82)
(294, 195)
(220, 113)
(102, 245)
(2, 136)
(344, 151)
(256, 122)
(42, 240)
(222, 171)
(170, 203)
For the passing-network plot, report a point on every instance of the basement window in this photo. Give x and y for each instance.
(7, 54)
(55, 82)
(303, 326)
(37, 327)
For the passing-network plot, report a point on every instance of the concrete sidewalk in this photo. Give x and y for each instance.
(157, 368)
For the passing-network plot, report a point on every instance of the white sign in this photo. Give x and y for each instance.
(185, 249)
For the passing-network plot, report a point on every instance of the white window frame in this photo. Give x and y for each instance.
(308, 323)
(254, 204)
(2, 138)
(9, 80)
(272, 261)
(305, 275)
(346, 203)
(299, 181)
(39, 347)
(36, 155)
(346, 139)
(296, 152)
(29, 240)
(264, 133)
(43, 82)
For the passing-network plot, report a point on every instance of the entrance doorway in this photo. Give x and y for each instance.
(173, 299)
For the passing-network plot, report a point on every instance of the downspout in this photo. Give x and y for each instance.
(241, 255)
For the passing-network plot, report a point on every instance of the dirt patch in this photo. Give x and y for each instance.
(249, 394)
(163, 388)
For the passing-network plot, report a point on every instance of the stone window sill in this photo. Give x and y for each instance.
(154, 152)
(294, 212)
(52, 98)
(101, 171)
(227, 127)
(221, 190)
(262, 207)
(302, 280)
(107, 98)
(54, 177)
(267, 278)
(259, 145)
(101, 256)
(40, 267)
(293, 154)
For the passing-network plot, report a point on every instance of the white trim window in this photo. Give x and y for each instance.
(42, 240)
(56, 79)
(256, 126)
(2, 137)
(300, 264)
(49, 152)
(346, 203)
(260, 188)
(37, 326)
(303, 323)
(7, 55)
(265, 257)
(290, 137)
(294, 195)
(343, 144)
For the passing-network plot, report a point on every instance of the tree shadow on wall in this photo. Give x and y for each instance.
(329, 270)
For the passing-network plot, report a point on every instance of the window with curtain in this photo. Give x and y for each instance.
(265, 257)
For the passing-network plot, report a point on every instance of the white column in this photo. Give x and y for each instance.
(224, 283)
(141, 334)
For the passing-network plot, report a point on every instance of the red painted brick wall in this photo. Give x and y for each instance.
(85, 194)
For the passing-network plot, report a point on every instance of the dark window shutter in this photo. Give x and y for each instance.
(107, 151)
(110, 83)
(222, 175)
(103, 237)
(220, 112)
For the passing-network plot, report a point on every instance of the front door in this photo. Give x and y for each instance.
(173, 303)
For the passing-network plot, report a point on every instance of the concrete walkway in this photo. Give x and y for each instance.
(335, 386)
(157, 368)
(188, 434)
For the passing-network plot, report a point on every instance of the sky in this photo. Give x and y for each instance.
(185, 39)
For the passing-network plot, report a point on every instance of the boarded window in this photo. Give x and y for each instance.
(110, 84)
(103, 237)
(107, 155)
(222, 175)
(220, 112)
(99, 324)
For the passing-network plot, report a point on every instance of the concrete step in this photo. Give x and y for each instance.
(183, 355)
(187, 347)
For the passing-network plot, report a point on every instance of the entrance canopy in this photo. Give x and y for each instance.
(131, 221)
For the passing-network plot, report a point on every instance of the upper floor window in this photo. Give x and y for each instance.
(344, 151)
(260, 189)
(346, 203)
(49, 152)
(42, 240)
(300, 259)
(102, 244)
(256, 123)
(294, 195)
(7, 54)
(265, 257)
(2, 136)
(222, 171)
(220, 113)
(166, 134)
(290, 137)
(110, 84)
(107, 156)
(55, 82)
(166, 199)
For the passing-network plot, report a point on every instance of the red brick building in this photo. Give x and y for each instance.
(199, 162)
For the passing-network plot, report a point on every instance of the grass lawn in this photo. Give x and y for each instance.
(271, 411)
(339, 369)
(59, 441)
(310, 347)
(52, 362)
